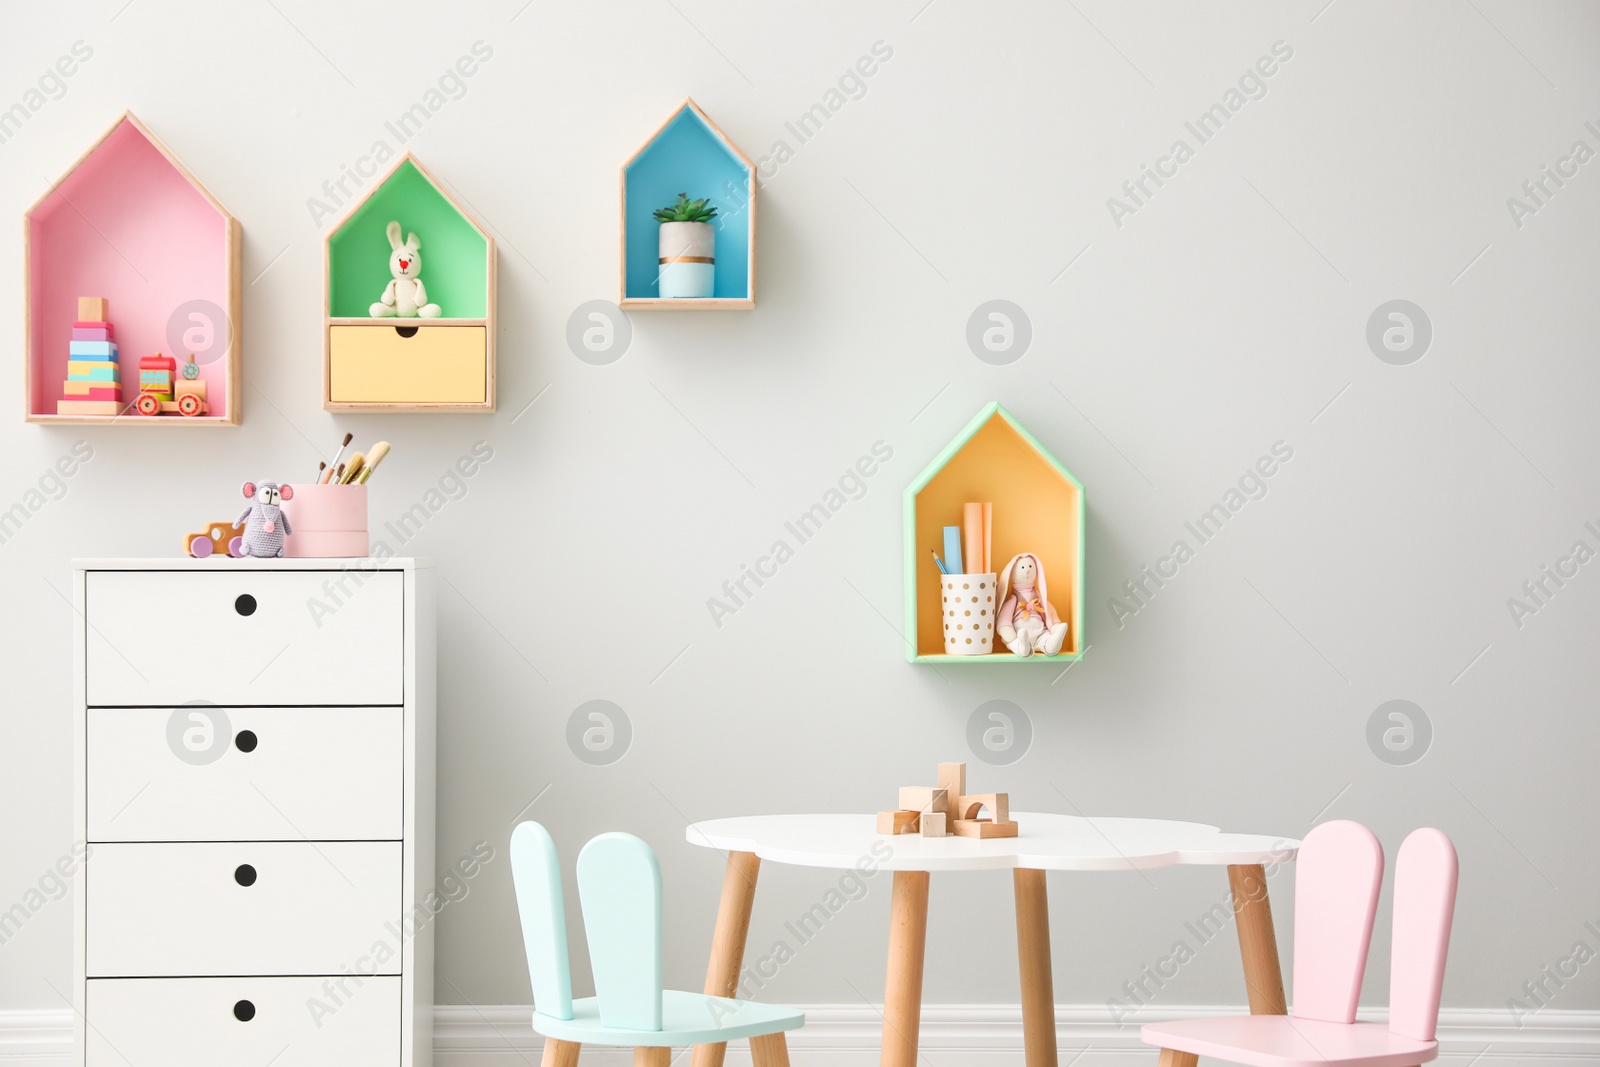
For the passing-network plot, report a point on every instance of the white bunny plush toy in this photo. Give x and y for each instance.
(404, 297)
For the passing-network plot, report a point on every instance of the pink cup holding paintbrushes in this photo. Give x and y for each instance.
(327, 520)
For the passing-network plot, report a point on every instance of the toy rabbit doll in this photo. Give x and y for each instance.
(404, 297)
(1026, 621)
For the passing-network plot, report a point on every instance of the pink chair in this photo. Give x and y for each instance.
(1339, 870)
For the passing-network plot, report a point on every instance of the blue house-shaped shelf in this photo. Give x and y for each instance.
(689, 154)
(1038, 508)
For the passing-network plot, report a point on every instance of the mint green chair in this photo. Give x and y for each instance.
(619, 884)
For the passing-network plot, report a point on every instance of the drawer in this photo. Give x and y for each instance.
(184, 910)
(196, 1022)
(435, 365)
(245, 637)
(245, 774)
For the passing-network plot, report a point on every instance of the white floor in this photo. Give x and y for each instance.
(952, 1036)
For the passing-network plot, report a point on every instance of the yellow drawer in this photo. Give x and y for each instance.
(435, 365)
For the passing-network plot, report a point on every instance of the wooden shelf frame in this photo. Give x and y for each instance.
(738, 204)
(1039, 507)
(133, 331)
(331, 282)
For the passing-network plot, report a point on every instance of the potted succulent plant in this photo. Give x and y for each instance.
(687, 249)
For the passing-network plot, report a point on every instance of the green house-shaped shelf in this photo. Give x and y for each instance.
(689, 154)
(1038, 508)
(409, 364)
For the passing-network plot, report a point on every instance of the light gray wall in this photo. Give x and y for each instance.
(1228, 313)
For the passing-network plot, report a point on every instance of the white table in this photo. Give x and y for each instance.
(1044, 843)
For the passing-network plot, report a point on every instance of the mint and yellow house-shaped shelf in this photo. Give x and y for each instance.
(443, 364)
(689, 154)
(129, 223)
(1038, 508)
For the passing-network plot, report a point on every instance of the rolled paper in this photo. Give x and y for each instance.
(952, 550)
(988, 538)
(972, 536)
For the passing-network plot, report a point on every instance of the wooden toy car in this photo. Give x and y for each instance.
(218, 536)
(189, 398)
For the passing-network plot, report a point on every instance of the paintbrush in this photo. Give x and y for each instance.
(373, 458)
(322, 465)
(342, 446)
(350, 472)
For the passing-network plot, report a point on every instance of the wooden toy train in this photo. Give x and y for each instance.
(161, 393)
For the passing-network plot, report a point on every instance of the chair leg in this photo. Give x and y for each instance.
(1171, 1057)
(560, 1053)
(654, 1056)
(770, 1050)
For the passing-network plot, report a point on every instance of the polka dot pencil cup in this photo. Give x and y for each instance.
(967, 603)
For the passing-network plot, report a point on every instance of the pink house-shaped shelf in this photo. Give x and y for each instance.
(129, 223)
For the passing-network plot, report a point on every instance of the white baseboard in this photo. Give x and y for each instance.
(953, 1035)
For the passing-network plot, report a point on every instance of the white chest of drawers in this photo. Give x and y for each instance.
(255, 781)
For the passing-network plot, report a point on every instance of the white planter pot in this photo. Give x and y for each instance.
(967, 607)
(688, 260)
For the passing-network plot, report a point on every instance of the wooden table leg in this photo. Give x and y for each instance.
(1258, 941)
(1033, 956)
(902, 989)
(727, 942)
(1171, 1057)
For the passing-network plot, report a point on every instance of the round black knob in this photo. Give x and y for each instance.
(244, 1011)
(244, 874)
(246, 740)
(245, 604)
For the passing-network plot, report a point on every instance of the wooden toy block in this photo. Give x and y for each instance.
(898, 822)
(947, 808)
(185, 388)
(88, 407)
(92, 308)
(923, 798)
(953, 780)
(997, 804)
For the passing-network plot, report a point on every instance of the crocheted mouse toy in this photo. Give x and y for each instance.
(265, 524)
